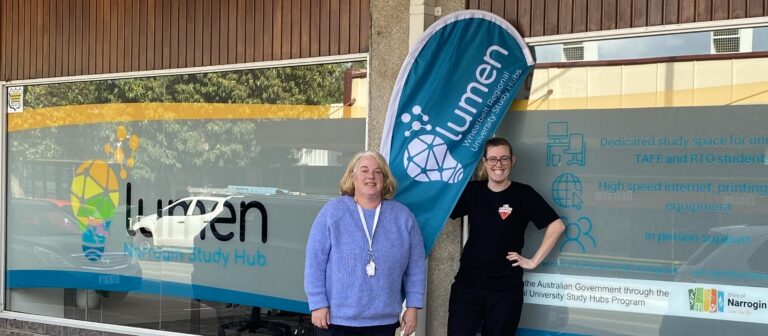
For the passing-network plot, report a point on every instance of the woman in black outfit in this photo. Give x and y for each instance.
(488, 287)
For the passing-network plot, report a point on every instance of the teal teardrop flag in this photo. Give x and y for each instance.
(453, 89)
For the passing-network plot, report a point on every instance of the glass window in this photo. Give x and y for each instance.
(204, 206)
(658, 171)
(178, 208)
(760, 40)
(179, 203)
(694, 43)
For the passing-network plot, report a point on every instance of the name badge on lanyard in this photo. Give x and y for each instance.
(370, 268)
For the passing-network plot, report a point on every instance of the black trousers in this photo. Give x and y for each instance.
(336, 331)
(468, 308)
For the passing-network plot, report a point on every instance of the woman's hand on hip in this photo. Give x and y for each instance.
(321, 318)
(408, 321)
(518, 260)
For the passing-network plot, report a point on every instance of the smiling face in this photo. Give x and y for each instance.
(368, 178)
(498, 161)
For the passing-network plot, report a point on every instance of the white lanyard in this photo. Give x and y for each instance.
(365, 227)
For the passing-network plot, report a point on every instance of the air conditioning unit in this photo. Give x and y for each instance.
(573, 51)
(579, 51)
(731, 41)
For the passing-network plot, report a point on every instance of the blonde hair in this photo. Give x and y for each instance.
(347, 184)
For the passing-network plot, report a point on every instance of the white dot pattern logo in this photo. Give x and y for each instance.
(416, 124)
(427, 159)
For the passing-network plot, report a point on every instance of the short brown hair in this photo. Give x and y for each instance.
(347, 185)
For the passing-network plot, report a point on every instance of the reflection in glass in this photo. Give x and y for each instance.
(760, 40)
(669, 192)
(669, 45)
(655, 46)
(179, 202)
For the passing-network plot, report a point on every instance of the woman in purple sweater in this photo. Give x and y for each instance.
(364, 253)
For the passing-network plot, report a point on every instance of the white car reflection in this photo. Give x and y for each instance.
(178, 224)
(734, 256)
(46, 260)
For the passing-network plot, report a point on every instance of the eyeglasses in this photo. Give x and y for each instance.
(366, 172)
(505, 160)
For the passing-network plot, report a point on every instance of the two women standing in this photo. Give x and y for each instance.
(365, 252)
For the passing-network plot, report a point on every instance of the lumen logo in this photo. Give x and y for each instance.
(706, 300)
(453, 89)
(95, 192)
(427, 157)
(466, 110)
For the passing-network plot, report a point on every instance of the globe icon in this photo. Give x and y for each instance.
(566, 191)
(427, 159)
(94, 198)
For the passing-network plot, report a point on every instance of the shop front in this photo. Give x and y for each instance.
(179, 202)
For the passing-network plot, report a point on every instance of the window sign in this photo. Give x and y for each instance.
(194, 191)
(15, 99)
(663, 190)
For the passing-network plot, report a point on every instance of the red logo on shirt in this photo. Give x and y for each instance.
(505, 211)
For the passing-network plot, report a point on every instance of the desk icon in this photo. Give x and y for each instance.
(564, 148)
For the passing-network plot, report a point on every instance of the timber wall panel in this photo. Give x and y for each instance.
(656, 12)
(523, 17)
(357, 23)
(534, 18)
(362, 24)
(42, 38)
(54, 38)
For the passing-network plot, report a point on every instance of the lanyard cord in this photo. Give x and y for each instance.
(365, 227)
